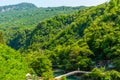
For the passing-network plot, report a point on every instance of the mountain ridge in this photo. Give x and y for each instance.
(20, 6)
(13, 20)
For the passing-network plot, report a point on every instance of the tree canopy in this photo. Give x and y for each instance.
(12, 65)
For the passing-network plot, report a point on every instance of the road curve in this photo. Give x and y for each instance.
(72, 73)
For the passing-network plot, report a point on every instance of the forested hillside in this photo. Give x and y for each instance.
(12, 65)
(82, 38)
(85, 39)
(26, 15)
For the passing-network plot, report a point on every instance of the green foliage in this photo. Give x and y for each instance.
(63, 78)
(12, 65)
(116, 63)
(71, 57)
(82, 37)
(31, 17)
(40, 64)
(26, 16)
(103, 35)
(100, 74)
(14, 22)
(2, 41)
(74, 41)
(20, 39)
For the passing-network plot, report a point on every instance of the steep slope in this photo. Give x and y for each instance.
(27, 15)
(59, 29)
(63, 28)
(79, 39)
(30, 19)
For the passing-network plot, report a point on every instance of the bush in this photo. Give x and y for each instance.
(63, 78)
(12, 65)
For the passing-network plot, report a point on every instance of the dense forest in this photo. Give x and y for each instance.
(85, 39)
(26, 15)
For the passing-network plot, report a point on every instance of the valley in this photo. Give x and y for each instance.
(73, 39)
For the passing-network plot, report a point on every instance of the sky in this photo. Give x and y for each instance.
(55, 3)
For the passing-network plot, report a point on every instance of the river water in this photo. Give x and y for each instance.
(68, 78)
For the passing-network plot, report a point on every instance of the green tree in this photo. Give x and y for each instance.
(40, 64)
(2, 41)
(100, 74)
(12, 65)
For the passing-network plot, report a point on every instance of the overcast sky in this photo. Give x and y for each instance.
(55, 3)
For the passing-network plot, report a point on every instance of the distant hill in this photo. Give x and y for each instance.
(27, 15)
(17, 7)
(23, 17)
